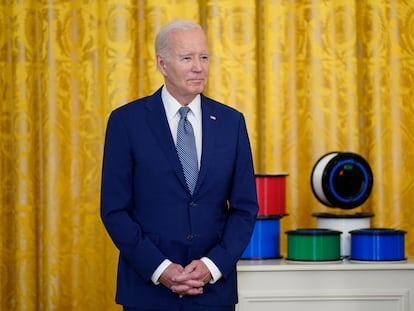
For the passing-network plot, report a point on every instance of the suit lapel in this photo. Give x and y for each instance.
(158, 123)
(210, 132)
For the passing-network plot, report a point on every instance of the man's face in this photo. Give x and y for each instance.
(187, 66)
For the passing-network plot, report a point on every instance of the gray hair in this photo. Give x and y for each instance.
(161, 40)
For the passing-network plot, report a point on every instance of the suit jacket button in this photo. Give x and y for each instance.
(189, 237)
(193, 204)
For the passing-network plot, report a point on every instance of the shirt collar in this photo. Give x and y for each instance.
(171, 105)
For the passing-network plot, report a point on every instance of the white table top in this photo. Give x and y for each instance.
(345, 264)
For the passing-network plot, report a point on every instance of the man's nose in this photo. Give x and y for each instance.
(197, 65)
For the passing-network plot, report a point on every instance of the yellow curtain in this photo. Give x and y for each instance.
(310, 76)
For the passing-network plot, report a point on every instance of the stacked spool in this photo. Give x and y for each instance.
(342, 180)
(271, 196)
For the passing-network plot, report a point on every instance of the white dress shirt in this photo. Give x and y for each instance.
(171, 106)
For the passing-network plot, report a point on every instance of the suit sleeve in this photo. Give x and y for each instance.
(117, 201)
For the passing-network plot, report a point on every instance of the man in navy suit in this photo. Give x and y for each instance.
(178, 247)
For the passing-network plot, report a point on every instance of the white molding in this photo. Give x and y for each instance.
(373, 299)
(268, 286)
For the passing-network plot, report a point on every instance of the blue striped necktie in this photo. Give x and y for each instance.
(186, 149)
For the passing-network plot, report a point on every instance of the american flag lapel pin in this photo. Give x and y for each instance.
(213, 118)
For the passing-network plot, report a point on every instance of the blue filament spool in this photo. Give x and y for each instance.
(265, 240)
(377, 244)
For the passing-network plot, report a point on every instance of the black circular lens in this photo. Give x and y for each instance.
(348, 181)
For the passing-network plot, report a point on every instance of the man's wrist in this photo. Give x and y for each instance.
(161, 268)
(214, 271)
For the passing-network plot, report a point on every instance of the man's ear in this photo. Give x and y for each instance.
(161, 64)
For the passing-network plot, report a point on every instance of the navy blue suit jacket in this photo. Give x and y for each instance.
(151, 215)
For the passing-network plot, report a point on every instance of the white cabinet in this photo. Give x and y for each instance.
(273, 285)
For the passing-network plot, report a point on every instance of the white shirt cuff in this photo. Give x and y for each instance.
(157, 273)
(215, 272)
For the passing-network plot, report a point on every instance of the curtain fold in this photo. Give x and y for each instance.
(311, 77)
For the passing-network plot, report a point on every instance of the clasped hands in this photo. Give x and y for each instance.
(187, 280)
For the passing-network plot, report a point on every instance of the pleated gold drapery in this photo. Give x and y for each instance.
(310, 76)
